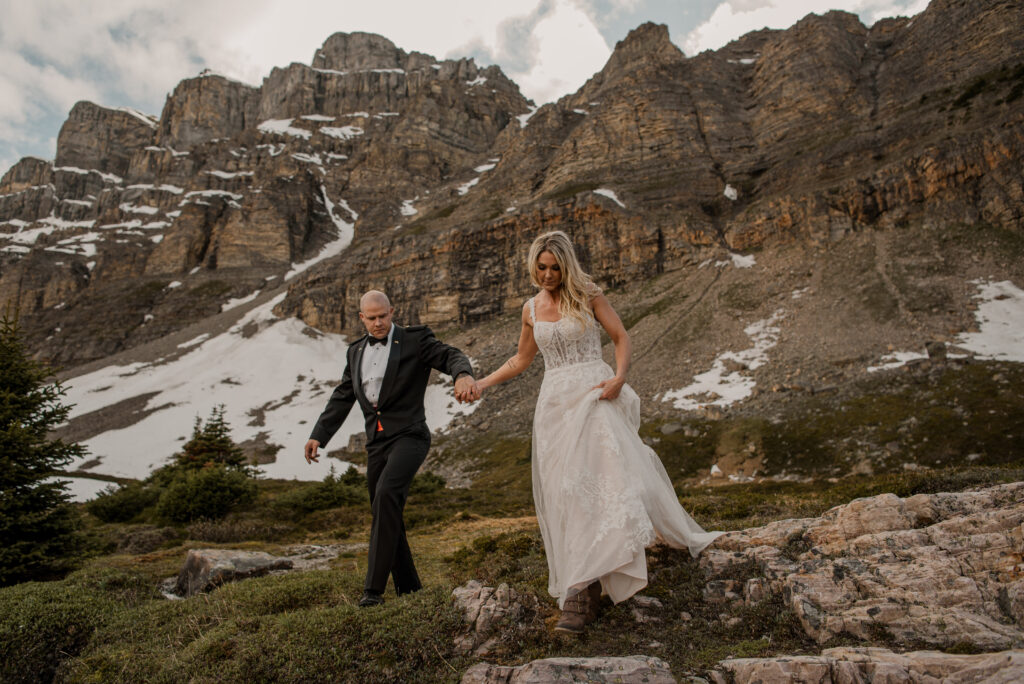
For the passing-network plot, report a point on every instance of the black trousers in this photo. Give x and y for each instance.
(392, 463)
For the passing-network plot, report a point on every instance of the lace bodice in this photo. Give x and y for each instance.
(563, 342)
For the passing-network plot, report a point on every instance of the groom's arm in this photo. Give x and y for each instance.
(336, 411)
(441, 356)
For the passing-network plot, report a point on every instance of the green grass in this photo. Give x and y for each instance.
(107, 622)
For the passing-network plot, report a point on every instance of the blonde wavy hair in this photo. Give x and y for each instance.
(577, 287)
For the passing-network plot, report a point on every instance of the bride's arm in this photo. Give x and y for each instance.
(518, 363)
(609, 320)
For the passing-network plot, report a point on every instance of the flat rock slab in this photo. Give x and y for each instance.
(855, 665)
(207, 569)
(628, 670)
(932, 569)
(485, 609)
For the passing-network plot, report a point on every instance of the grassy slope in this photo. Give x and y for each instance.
(107, 622)
(963, 422)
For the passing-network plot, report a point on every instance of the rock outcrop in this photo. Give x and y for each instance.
(874, 665)
(96, 138)
(486, 610)
(936, 570)
(207, 569)
(628, 670)
(206, 108)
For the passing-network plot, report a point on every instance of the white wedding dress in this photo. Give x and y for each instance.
(602, 495)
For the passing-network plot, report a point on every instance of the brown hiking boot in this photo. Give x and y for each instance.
(580, 609)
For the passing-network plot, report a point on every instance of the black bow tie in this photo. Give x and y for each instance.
(377, 340)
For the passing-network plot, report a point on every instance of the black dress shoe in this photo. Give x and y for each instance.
(370, 598)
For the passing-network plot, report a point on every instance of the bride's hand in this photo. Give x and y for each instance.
(611, 387)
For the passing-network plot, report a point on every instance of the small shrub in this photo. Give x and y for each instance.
(231, 531)
(121, 504)
(424, 483)
(211, 443)
(208, 493)
(146, 538)
(332, 492)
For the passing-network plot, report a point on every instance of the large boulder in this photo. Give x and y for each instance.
(486, 609)
(940, 569)
(875, 665)
(628, 670)
(207, 569)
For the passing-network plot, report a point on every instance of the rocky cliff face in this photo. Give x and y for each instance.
(232, 186)
(437, 177)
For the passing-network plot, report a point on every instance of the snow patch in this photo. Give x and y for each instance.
(61, 224)
(342, 132)
(274, 149)
(346, 231)
(524, 118)
(228, 174)
(317, 117)
(720, 386)
(610, 194)
(1000, 317)
(731, 192)
(283, 127)
(896, 360)
(82, 489)
(150, 121)
(194, 341)
(234, 303)
(281, 399)
(464, 188)
(137, 208)
(407, 208)
(741, 261)
(308, 158)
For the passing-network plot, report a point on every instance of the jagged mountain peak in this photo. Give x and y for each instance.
(358, 51)
(646, 44)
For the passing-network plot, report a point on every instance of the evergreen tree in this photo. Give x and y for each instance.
(211, 444)
(38, 538)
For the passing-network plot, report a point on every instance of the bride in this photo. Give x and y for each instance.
(602, 495)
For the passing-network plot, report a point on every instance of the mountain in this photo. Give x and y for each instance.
(774, 220)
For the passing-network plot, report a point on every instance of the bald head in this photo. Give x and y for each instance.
(374, 297)
(375, 312)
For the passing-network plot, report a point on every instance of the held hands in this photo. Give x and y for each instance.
(311, 447)
(466, 389)
(611, 387)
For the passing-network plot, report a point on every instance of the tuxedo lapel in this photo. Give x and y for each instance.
(392, 370)
(357, 373)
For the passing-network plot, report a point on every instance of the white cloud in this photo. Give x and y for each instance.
(734, 18)
(133, 52)
(569, 50)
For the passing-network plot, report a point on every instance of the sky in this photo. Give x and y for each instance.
(132, 53)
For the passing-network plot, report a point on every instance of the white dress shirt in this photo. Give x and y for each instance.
(375, 363)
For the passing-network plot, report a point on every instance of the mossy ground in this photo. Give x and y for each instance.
(107, 622)
(960, 424)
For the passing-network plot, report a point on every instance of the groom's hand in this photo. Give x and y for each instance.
(466, 389)
(311, 447)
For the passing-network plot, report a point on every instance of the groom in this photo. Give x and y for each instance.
(387, 374)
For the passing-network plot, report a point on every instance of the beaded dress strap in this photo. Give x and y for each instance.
(533, 311)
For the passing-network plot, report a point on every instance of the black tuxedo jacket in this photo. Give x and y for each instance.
(414, 351)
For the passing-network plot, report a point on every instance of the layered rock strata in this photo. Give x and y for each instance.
(937, 570)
